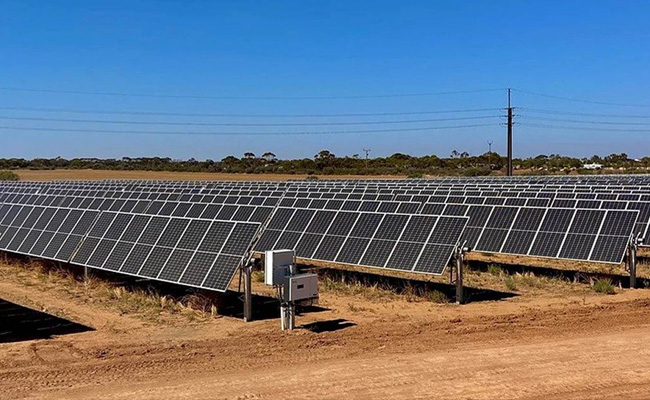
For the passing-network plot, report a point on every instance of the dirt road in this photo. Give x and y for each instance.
(603, 366)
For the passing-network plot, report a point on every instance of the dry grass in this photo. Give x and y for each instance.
(604, 286)
(257, 276)
(498, 278)
(144, 303)
(91, 174)
(549, 263)
(379, 292)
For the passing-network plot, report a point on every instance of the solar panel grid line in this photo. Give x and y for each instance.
(134, 242)
(397, 240)
(322, 238)
(48, 214)
(505, 239)
(232, 228)
(600, 227)
(48, 238)
(21, 240)
(374, 233)
(566, 234)
(304, 231)
(478, 239)
(102, 214)
(49, 243)
(419, 257)
(153, 246)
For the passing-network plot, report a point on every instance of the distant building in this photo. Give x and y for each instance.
(592, 166)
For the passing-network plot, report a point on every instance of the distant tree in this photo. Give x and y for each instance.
(268, 156)
(249, 155)
(230, 160)
(400, 156)
(324, 155)
(454, 154)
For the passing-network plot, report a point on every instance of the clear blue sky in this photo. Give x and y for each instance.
(594, 50)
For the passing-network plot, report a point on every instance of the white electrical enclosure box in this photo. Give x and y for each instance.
(277, 264)
(301, 287)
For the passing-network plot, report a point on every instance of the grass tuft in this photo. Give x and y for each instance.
(494, 269)
(258, 276)
(436, 296)
(510, 283)
(604, 286)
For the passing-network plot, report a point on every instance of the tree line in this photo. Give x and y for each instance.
(327, 163)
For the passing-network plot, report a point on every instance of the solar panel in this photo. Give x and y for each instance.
(380, 240)
(173, 249)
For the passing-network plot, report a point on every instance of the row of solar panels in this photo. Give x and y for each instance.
(575, 234)
(191, 251)
(248, 212)
(407, 242)
(241, 195)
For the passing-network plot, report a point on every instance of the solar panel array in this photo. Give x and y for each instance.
(417, 243)
(197, 233)
(191, 251)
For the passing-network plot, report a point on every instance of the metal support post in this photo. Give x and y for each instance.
(248, 295)
(288, 316)
(283, 316)
(291, 316)
(460, 260)
(631, 260)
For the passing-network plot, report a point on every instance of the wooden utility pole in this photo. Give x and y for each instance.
(367, 151)
(509, 135)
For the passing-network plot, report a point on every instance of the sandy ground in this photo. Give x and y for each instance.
(555, 342)
(90, 174)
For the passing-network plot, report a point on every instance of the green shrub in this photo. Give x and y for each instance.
(604, 286)
(476, 171)
(8, 176)
(510, 283)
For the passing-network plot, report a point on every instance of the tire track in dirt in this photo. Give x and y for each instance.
(576, 368)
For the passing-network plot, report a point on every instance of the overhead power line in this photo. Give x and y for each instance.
(191, 133)
(122, 122)
(582, 114)
(214, 97)
(603, 103)
(229, 115)
(577, 121)
(584, 128)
